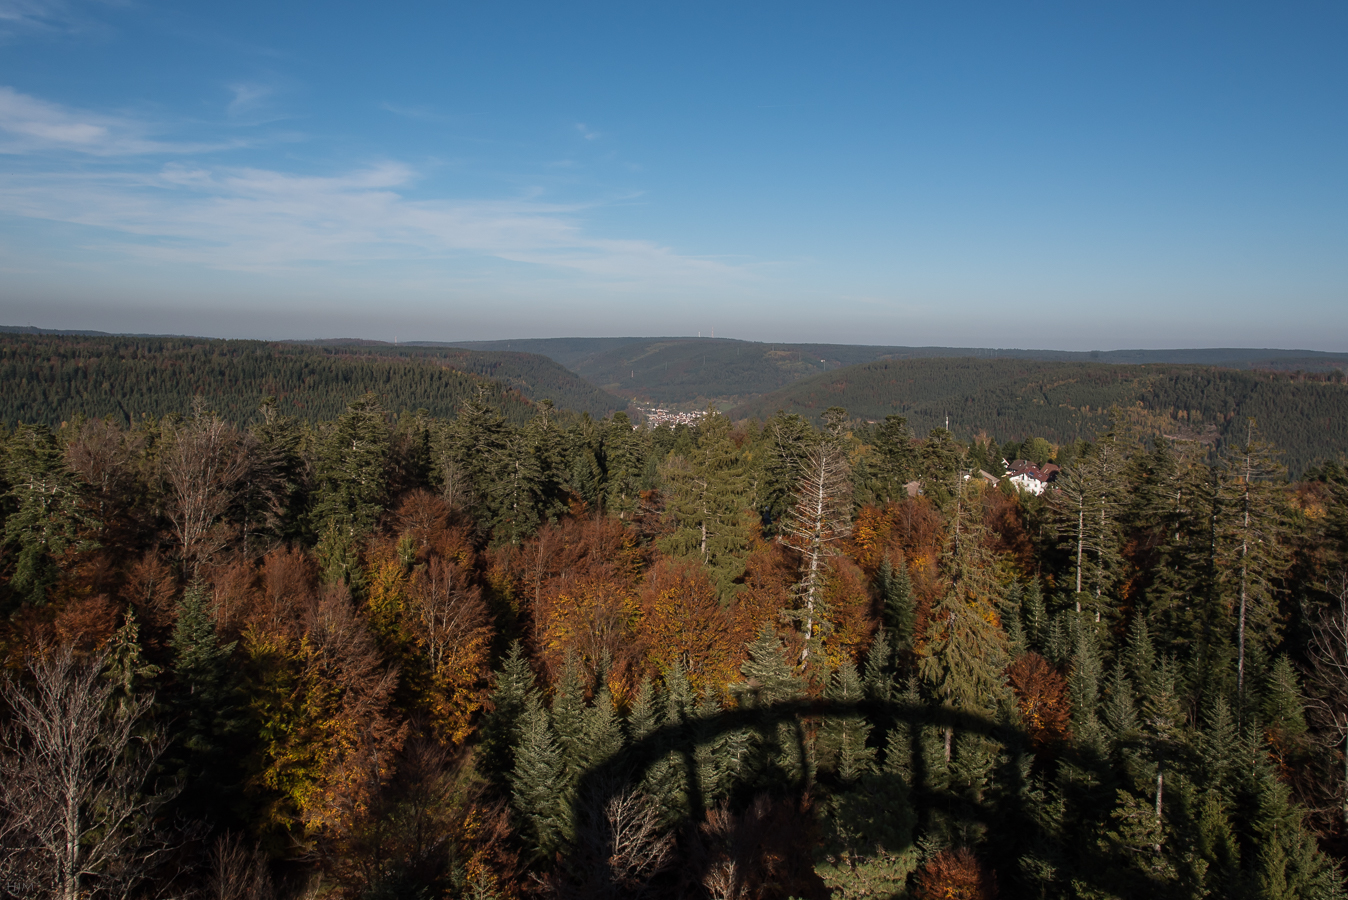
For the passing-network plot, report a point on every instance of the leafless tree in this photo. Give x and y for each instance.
(77, 806)
(204, 466)
(821, 516)
(238, 873)
(621, 847)
(1328, 682)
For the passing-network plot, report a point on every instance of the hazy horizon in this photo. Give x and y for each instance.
(1059, 176)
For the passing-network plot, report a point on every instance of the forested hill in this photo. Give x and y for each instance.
(48, 379)
(1013, 399)
(695, 371)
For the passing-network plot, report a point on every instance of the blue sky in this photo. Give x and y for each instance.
(1071, 175)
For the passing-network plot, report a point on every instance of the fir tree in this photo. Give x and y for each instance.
(898, 606)
(707, 496)
(541, 791)
(500, 730)
(842, 739)
(204, 702)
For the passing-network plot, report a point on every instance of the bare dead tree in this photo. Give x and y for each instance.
(237, 872)
(204, 467)
(621, 848)
(1328, 681)
(820, 517)
(77, 805)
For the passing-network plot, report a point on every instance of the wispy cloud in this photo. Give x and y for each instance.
(42, 15)
(421, 113)
(247, 98)
(199, 213)
(268, 221)
(586, 133)
(30, 125)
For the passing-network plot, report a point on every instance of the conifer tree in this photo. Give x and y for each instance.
(842, 739)
(351, 468)
(603, 736)
(895, 458)
(1036, 619)
(45, 515)
(966, 653)
(820, 517)
(500, 731)
(1250, 557)
(568, 718)
(541, 791)
(624, 466)
(1281, 708)
(127, 668)
(707, 496)
(899, 607)
(203, 698)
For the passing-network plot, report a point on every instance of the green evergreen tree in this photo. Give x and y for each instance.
(568, 719)
(897, 603)
(45, 516)
(204, 703)
(707, 496)
(499, 733)
(966, 653)
(541, 791)
(842, 738)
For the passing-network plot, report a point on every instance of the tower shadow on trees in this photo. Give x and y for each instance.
(602, 865)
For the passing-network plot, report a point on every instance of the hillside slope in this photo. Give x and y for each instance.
(1015, 399)
(692, 372)
(50, 379)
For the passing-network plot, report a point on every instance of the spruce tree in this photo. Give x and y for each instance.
(965, 658)
(842, 739)
(204, 701)
(568, 718)
(707, 495)
(500, 730)
(897, 603)
(541, 791)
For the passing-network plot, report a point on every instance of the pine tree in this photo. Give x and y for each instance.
(898, 605)
(541, 791)
(966, 653)
(708, 493)
(500, 730)
(842, 739)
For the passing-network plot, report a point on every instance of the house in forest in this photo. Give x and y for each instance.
(1029, 477)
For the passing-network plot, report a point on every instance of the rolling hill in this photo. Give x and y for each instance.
(53, 378)
(692, 372)
(1017, 398)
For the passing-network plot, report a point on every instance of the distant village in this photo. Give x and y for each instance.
(655, 417)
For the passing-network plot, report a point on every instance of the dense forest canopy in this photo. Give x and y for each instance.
(479, 656)
(51, 379)
(1306, 416)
